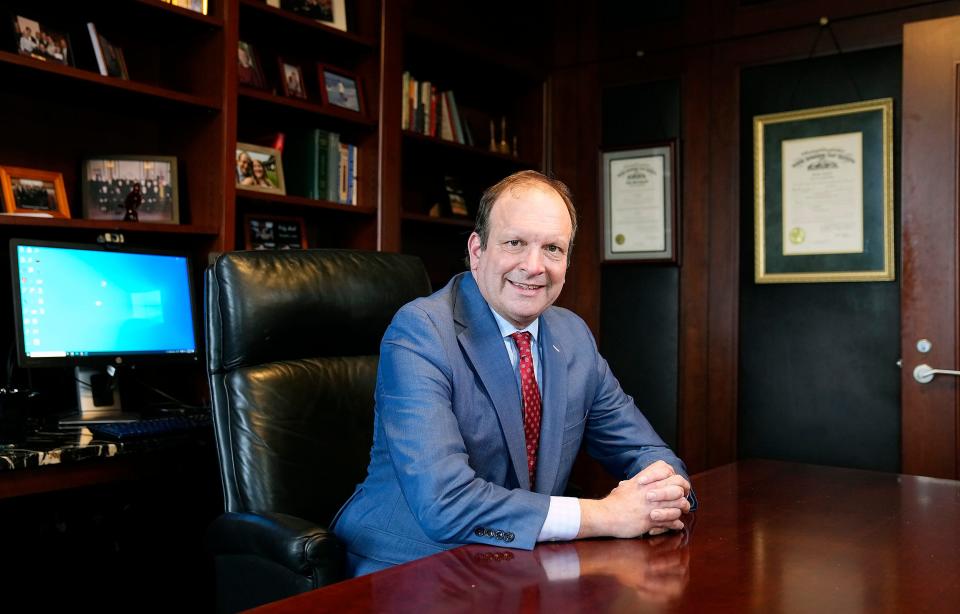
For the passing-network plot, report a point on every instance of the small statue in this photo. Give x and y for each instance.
(516, 152)
(132, 203)
(493, 137)
(504, 146)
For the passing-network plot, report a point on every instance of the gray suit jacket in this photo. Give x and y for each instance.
(448, 463)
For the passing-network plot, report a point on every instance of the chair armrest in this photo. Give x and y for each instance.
(295, 543)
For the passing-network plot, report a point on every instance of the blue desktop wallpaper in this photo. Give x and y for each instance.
(77, 302)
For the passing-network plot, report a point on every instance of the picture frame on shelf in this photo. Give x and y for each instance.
(110, 60)
(249, 70)
(197, 6)
(263, 232)
(823, 194)
(41, 42)
(340, 88)
(291, 79)
(33, 192)
(260, 169)
(640, 209)
(328, 12)
(108, 187)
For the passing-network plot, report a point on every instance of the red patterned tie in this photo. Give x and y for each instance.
(531, 401)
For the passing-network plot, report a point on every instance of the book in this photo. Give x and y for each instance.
(305, 163)
(455, 118)
(404, 107)
(333, 167)
(110, 60)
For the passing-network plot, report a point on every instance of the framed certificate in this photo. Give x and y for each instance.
(823, 194)
(640, 203)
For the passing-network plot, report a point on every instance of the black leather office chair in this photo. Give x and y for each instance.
(292, 346)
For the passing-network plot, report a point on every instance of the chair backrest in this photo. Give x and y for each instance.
(292, 345)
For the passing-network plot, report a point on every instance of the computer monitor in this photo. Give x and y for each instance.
(99, 307)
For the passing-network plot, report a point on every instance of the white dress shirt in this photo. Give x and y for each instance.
(563, 515)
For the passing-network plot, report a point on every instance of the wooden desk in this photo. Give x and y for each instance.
(769, 537)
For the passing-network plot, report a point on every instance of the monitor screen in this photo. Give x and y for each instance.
(83, 304)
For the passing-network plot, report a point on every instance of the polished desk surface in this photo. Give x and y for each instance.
(769, 537)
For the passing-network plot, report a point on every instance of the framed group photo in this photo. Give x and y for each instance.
(41, 42)
(640, 203)
(823, 194)
(340, 88)
(109, 186)
(274, 232)
(259, 168)
(33, 192)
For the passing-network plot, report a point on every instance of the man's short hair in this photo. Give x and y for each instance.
(514, 181)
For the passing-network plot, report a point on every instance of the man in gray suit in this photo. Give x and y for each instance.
(484, 395)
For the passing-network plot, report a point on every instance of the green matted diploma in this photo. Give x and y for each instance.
(823, 200)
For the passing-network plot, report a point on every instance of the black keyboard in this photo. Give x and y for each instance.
(150, 428)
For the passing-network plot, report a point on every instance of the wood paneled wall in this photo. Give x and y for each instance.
(704, 44)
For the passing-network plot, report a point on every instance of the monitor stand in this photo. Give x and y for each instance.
(98, 398)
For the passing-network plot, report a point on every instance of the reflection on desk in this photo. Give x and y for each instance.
(55, 448)
(768, 537)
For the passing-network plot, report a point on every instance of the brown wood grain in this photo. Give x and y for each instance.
(769, 537)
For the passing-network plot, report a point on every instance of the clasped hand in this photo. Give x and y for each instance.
(650, 502)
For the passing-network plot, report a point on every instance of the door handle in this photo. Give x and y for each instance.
(924, 373)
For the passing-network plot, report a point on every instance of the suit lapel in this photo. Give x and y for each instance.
(481, 341)
(553, 414)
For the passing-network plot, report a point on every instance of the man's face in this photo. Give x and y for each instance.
(522, 269)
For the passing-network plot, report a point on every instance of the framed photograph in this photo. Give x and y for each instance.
(41, 42)
(110, 188)
(291, 77)
(640, 209)
(33, 192)
(329, 12)
(823, 194)
(110, 59)
(259, 168)
(249, 70)
(199, 6)
(274, 232)
(340, 88)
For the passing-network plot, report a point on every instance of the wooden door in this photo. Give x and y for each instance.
(929, 283)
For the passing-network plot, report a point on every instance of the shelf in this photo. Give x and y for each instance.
(342, 116)
(284, 19)
(422, 218)
(108, 225)
(300, 201)
(440, 144)
(79, 76)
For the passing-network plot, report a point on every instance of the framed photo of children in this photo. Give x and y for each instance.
(274, 232)
(33, 192)
(132, 188)
(341, 88)
(259, 168)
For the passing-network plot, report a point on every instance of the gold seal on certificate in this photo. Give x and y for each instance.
(797, 235)
(620, 239)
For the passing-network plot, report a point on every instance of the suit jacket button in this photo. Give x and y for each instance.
(508, 537)
(478, 532)
(489, 532)
(499, 535)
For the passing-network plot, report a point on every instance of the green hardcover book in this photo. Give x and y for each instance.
(333, 168)
(305, 163)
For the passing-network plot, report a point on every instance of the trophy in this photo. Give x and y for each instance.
(493, 137)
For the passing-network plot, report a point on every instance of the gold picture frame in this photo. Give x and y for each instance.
(823, 194)
(33, 192)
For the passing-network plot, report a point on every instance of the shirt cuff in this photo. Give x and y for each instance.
(563, 520)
